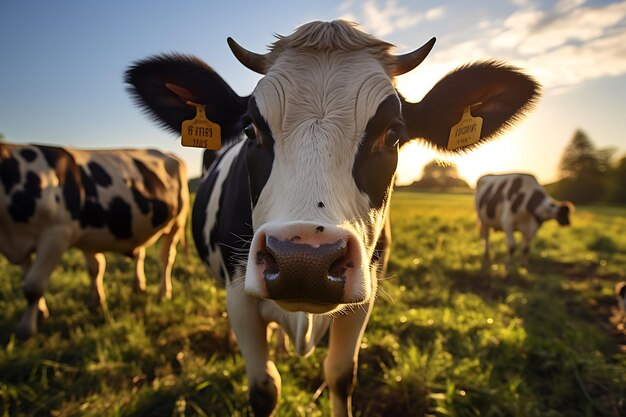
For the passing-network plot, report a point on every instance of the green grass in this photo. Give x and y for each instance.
(445, 339)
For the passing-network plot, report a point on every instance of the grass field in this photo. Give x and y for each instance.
(445, 339)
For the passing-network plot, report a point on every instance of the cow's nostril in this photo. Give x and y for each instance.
(271, 266)
(337, 270)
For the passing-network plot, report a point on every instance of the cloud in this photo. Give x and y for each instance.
(571, 64)
(382, 20)
(567, 5)
(562, 45)
(569, 44)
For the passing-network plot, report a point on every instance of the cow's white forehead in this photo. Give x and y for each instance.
(332, 94)
(317, 106)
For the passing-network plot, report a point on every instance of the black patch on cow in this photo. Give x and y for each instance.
(71, 194)
(151, 180)
(207, 159)
(233, 220)
(515, 186)
(483, 198)
(92, 215)
(32, 186)
(375, 165)
(534, 201)
(99, 175)
(28, 154)
(517, 202)
(233, 229)
(22, 207)
(199, 214)
(68, 173)
(9, 173)
(157, 198)
(24, 202)
(91, 192)
(495, 200)
(160, 213)
(259, 153)
(118, 218)
(142, 202)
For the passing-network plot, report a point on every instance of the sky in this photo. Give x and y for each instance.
(62, 64)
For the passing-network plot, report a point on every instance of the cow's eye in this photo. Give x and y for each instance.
(250, 131)
(392, 138)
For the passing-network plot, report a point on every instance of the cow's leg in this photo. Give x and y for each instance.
(140, 275)
(42, 307)
(511, 245)
(528, 233)
(96, 265)
(484, 234)
(251, 332)
(49, 252)
(340, 366)
(168, 256)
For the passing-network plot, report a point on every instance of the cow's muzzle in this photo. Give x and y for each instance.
(306, 266)
(302, 272)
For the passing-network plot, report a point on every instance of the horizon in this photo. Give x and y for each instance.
(62, 83)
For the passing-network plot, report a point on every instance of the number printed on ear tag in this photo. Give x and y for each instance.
(466, 132)
(200, 132)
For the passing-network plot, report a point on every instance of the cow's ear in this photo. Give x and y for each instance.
(498, 93)
(162, 86)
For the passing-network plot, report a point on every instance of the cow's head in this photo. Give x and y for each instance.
(323, 127)
(563, 211)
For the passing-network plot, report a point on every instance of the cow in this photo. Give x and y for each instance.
(510, 202)
(54, 198)
(293, 213)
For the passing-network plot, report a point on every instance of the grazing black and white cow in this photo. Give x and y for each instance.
(55, 198)
(293, 213)
(511, 202)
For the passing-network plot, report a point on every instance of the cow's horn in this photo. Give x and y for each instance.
(255, 62)
(407, 62)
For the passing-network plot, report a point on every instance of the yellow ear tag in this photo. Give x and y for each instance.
(466, 132)
(200, 132)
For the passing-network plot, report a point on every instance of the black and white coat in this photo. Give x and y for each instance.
(54, 198)
(293, 214)
(515, 202)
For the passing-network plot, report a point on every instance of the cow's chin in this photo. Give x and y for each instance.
(313, 308)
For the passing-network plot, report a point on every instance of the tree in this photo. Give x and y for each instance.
(583, 170)
(617, 185)
(579, 158)
(440, 177)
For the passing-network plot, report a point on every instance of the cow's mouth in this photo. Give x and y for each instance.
(307, 307)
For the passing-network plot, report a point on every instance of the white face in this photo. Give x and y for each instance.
(317, 108)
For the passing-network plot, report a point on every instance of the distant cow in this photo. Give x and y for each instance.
(121, 201)
(293, 213)
(511, 202)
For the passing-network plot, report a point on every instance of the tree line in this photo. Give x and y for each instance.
(588, 174)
